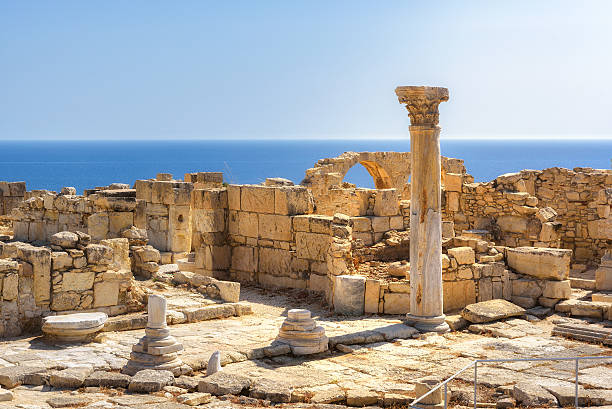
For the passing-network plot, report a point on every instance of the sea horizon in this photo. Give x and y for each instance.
(52, 164)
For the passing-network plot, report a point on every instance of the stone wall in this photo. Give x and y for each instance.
(11, 194)
(102, 215)
(59, 278)
(164, 211)
(554, 207)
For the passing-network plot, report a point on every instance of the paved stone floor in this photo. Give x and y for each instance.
(384, 368)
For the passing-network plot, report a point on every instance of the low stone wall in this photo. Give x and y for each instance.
(102, 215)
(37, 281)
(11, 194)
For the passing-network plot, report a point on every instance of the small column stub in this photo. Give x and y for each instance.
(426, 298)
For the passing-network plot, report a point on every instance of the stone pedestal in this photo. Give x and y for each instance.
(426, 312)
(157, 349)
(79, 327)
(302, 334)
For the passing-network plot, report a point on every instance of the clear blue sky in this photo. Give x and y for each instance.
(286, 69)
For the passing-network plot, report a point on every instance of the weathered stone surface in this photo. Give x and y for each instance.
(349, 294)
(271, 390)
(214, 364)
(223, 383)
(463, 255)
(5, 395)
(194, 399)
(557, 289)
(65, 239)
(532, 395)
(68, 401)
(302, 334)
(99, 254)
(542, 263)
(12, 376)
(361, 397)
(492, 310)
(150, 380)
(107, 379)
(71, 378)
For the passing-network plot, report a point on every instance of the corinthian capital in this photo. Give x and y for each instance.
(422, 103)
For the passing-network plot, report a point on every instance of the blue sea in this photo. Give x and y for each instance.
(86, 164)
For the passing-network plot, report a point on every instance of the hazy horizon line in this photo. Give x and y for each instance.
(319, 138)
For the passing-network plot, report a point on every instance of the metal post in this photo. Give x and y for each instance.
(475, 381)
(576, 397)
(445, 395)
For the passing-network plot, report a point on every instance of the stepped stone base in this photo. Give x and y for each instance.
(302, 334)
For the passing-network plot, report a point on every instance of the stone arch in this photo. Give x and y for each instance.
(378, 173)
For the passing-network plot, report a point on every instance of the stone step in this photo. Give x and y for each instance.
(186, 265)
(583, 283)
(584, 333)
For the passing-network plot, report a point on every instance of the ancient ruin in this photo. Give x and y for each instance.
(517, 267)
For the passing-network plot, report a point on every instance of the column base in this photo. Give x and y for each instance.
(428, 324)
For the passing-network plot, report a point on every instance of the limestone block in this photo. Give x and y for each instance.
(491, 310)
(20, 230)
(603, 278)
(99, 254)
(209, 220)
(458, 294)
(119, 221)
(557, 289)
(396, 303)
(453, 182)
(64, 301)
(98, 225)
(301, 223)
(319, 283)
(121, 253)
(244, 224)
(372, 296)
(452, 201)
(546, 214)
(549, 232)
(292, 200)
(542, 263)
(349, 294)
(513, 224)
(244, 258)
(10, 287)
(361, 224)
(233, 197)
(600, 229)
(386, 202)
(40, 258)
(312, 246)
(485, 289)
(78, 281)
(259, 199)
(274, 261)
(396, 223)
(380, 224)
(321, 224)
(210, 199)
(60, 260)
(17, 189)
(463, 255)
(526, 288)
(229, 291)
(213, 258)
(275, 227)
(106, 293)
(143, 190)
(179, 241)
(448, 229)
(161, 192)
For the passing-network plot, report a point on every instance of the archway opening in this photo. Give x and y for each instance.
(369, 174)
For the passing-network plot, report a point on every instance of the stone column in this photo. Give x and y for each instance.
(156, 309)
(426, 312)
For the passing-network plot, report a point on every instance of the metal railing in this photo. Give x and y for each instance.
(478, 361)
